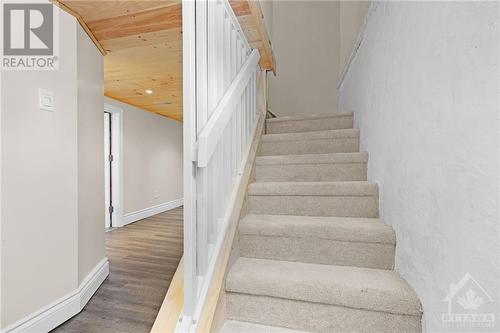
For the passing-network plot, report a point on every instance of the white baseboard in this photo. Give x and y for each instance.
(64, 308)
(150, 211)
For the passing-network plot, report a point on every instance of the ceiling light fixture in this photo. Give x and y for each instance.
(148, 91)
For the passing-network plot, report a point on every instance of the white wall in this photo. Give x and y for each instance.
(424, 88)
(39, 190)
(305, 38)
(50, 241)
(91, 248)
(152, 158)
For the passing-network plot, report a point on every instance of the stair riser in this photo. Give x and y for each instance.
(345, 206)
(320, 146)
(318, 251)
(316, 317)
(311, 172)
(310, 125)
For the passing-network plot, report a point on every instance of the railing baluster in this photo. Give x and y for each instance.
(202, 118)
(227, 162)
(248, 99)
(211, 100)
(189, 139)
(238, 113)
(243, 120)
(220, 47)
(227, 48)
(220, 115)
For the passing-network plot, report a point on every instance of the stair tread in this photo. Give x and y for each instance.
(345, 188)
(234, 326)
(353, 287)
(310, 116)
(361, 157)
(347, 229)
(312, 135)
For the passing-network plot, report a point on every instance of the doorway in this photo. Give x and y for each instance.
(113, 178)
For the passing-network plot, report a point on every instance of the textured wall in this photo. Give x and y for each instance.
(424, 88)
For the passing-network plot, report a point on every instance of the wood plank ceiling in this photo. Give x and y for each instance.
(142, 44)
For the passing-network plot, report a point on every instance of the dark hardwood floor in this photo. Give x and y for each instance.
(143, 258)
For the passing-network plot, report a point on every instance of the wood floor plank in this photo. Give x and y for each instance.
(143, 257)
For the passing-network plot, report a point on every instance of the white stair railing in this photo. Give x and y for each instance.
(220, 115)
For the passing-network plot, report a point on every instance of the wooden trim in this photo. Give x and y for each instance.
(84, 25)
(250, 17)
(171, 308)
(268, 61)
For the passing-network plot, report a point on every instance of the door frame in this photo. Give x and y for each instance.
(108, 197)
(117, 164)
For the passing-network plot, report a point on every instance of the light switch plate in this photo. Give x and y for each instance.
(46, 100)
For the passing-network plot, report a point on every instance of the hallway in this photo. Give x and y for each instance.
(143, 258)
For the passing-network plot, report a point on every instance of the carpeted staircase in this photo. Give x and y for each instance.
(313, 254)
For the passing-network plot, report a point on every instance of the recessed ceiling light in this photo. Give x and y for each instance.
(148, 91)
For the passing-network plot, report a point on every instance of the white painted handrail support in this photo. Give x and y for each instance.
(220, 73)
(213, 130)
(189, 138)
